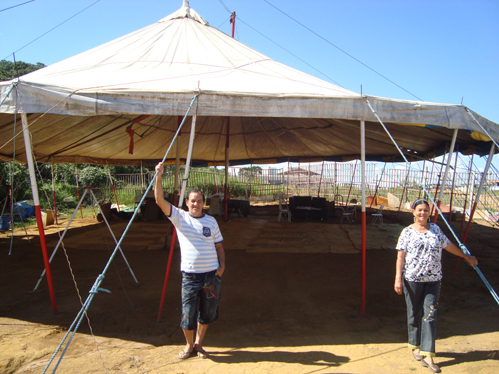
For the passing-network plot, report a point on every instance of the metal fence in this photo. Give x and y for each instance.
(333, 180)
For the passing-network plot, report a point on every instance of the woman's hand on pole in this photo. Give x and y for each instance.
(472, 260)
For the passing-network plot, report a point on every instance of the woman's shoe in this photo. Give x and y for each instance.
(434, 368)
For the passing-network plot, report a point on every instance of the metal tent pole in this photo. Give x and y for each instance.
(446, 174)
(180, 202)
(226, 189)
(176, 183)
(363, 182)
(38, 212)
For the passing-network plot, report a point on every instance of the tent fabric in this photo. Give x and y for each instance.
(83, 109)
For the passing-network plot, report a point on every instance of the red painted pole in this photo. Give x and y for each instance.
(45, 255)
(34, 189)
(167, 275)
(363, 219)
(363, 290)
(226, 190)
(233, 22)
(436, 212)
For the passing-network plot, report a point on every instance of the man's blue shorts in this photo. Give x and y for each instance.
(202, 287)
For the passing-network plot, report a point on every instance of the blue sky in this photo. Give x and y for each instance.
(439, 51)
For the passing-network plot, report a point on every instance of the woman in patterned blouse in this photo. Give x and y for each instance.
(418, 276)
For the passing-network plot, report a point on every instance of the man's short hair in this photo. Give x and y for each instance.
(195, 190)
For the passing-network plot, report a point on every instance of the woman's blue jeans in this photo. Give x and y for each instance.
(422, 304)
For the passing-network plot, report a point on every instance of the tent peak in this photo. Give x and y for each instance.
(185, 12)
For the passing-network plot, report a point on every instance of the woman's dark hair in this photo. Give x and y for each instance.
(418, 202)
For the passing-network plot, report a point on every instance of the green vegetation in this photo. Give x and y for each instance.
(65, 186)
(9, 70)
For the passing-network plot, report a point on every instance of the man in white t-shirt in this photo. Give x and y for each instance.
(202, 264)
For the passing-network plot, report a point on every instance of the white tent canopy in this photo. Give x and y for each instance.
(83, 108)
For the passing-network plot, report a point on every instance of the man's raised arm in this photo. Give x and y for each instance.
(159, 194)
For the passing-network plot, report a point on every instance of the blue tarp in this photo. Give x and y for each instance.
(24, 209)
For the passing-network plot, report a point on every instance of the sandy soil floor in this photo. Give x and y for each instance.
(291, 301)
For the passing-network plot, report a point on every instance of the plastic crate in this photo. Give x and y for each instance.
(5, 223)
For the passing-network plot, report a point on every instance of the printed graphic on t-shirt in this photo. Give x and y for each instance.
(206, 231)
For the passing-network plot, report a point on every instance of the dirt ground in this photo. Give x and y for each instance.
(291, 301)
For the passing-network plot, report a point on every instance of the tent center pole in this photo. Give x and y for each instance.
(363, 177)
(36, 200)
(226, 191)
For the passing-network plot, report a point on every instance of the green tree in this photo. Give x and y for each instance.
(8, 69)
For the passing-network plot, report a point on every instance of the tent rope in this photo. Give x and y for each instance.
(96, 287)
(461, 245)
(479, 124)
